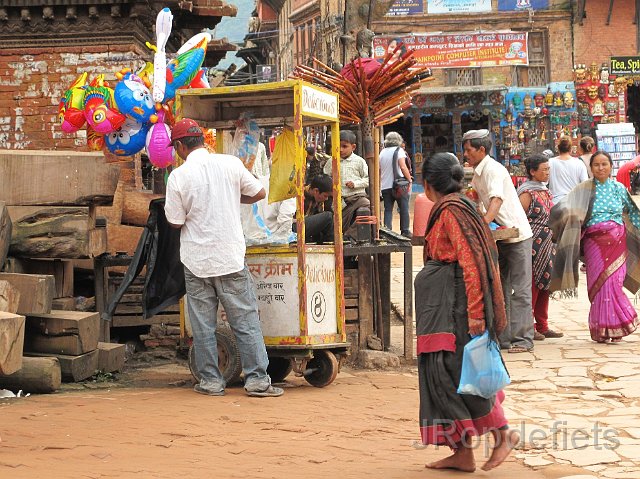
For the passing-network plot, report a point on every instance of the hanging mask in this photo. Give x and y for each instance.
(602, 92)
(592, 92)
(581, 94)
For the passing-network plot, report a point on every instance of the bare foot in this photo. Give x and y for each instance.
(461, 460)
(506, 440)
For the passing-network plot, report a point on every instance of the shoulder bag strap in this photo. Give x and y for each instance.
(395, 164)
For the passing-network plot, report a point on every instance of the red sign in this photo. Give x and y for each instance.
(460, 50)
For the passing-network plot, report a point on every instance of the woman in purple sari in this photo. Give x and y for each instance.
(609, 237)
(612, 316)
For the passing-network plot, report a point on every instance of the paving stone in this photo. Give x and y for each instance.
(597, 468)
(626, 411)
(587, 456)
(579, 371)
(618, 370)
(573, 382)
(634, 432)
(579, 353)
(529, 374)
(600, 394)
(630, 451)
(542, 385)
(536, 461)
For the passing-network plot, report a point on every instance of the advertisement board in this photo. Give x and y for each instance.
(461, 50)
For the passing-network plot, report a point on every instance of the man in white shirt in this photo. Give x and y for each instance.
(497, 194)
(264, 223)
(203, 200)
(566, 172)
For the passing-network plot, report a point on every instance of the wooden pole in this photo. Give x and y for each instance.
(376, 182)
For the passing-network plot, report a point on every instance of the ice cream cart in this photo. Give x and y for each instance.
(299, 286)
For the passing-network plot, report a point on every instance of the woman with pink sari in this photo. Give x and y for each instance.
(599, 217)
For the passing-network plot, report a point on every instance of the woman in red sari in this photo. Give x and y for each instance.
(458, 296)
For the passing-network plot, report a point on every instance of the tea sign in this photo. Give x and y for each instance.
(625, 66)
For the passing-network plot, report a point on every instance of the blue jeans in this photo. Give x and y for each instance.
(403, 204)
(236, 293)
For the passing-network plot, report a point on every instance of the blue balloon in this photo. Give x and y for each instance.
(127, 140)
(134, 99)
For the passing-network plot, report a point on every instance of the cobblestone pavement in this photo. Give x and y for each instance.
(576, 402)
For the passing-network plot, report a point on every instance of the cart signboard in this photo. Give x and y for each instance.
(320, 275)
(319, 104)
(276, 284)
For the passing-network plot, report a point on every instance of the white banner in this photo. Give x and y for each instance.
(458, 6)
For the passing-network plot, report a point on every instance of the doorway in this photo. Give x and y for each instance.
(633, 105)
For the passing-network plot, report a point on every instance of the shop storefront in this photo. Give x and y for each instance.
(440, 116)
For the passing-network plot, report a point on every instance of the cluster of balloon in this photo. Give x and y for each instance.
(137, 112)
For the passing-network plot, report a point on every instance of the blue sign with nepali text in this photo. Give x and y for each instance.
(511, 5)
(406, 7)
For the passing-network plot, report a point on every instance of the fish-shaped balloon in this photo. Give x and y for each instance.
(70, 114)
(127, 140)
(133, 99)
(183, 69)
(95, 141)
(99, 110)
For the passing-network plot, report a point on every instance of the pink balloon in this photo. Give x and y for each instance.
(160, 152)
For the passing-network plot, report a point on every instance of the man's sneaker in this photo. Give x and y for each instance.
(550, 333)
(210, 392)
(271, 391)
(538, 336)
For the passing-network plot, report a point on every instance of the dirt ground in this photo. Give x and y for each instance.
(150, 424)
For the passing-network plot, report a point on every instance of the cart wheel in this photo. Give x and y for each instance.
(228, 356)
(323, 367)
(279, 369)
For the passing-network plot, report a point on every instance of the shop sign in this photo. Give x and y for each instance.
(458, 6)
(461, 50)
(265, 73)
(406, 7)
(625, 66)
(319, 103)
(511, 5)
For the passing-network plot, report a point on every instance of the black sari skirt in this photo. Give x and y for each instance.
(446, 417)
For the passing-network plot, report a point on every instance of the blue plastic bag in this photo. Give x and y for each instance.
(483, 372)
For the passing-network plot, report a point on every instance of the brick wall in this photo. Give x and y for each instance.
(595, 41)
(32, 82)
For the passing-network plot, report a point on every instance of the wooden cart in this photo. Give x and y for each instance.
(299, 286)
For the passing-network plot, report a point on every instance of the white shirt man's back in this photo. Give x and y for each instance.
(565, 175)
(203, 195)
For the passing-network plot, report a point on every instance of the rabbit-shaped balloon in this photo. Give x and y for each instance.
(158, 145)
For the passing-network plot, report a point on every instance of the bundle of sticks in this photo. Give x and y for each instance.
(383, 97)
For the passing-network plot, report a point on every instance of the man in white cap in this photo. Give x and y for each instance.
(497, 194)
